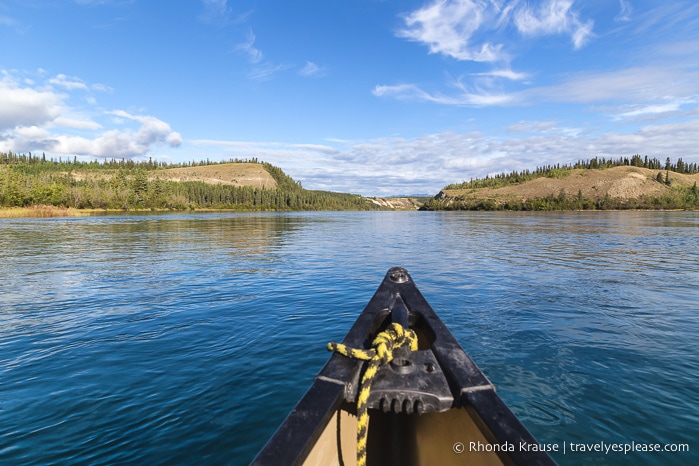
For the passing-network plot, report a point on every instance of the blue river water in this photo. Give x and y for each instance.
(187, 338)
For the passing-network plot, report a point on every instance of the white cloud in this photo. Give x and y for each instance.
(531, 127)
(174, 139)
(61, 80)
(120, 142)
(651, 110)
(426, 163)
(415, 93)
(447, 27)
(504, 73)
(663, 140)
(474, 30)
(101, 88)
(271, 148)
(262, 70)
(625, 11)
(459, 28)
(215, 6)
(581, 35)
(111, 143)
(214, 10)
(75, 123)
(25, 139)
(33, 116)
(248, 47)
(24, 106)
(312, 70)
(152, 131)
(265, 71)
(646, 84)
(553, 17)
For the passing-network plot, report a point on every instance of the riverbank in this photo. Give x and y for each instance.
(45, 211)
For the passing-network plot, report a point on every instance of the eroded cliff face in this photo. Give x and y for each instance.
(397, 203)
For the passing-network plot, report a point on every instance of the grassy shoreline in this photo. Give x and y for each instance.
(45, 211)
(48, 211)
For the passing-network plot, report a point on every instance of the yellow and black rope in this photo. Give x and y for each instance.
(381, 353)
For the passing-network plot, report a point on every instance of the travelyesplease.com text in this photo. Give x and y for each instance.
(573, 447)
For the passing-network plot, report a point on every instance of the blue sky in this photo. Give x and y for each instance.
(364, 96)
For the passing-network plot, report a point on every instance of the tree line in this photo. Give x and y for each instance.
(560, 171)
(27, 180)
(29, 159)
(679, 197)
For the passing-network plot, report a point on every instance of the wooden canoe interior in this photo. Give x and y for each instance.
(463, 416)
(402, 439)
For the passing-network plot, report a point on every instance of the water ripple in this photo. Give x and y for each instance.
(187, 338)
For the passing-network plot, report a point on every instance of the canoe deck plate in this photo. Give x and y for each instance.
(415, 383)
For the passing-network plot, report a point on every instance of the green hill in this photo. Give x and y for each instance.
(26, 180)
(634, 183)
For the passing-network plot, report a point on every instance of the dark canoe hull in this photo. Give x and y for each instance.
(432, 406)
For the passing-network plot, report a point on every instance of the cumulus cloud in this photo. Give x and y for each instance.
(66, 122)
(173, 139)
(119, 142)
(25, 106)
(34, 116)
(127, 143)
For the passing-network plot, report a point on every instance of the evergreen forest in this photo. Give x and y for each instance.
(29, 180)
(678, 197)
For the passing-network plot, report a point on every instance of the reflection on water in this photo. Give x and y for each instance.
(188, 337)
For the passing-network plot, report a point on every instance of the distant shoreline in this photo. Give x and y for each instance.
(45, 211)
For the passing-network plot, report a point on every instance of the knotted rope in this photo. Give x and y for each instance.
(381, 353)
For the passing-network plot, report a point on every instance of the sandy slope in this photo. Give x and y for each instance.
(617, 182)
(235, 174)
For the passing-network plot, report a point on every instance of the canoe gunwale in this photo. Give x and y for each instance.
(295, 438)
(337, 383)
